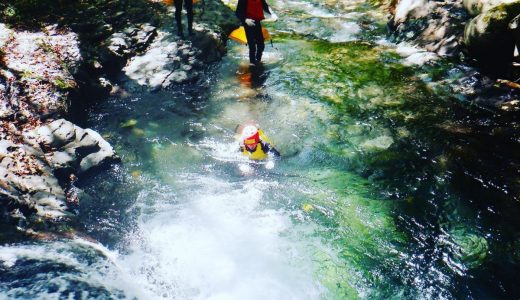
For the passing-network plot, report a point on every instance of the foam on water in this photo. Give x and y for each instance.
(414, 55)
(221, 242)
(346, 31)
(63, 269)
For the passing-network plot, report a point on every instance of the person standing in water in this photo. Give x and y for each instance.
(250, 13)
(178, 15)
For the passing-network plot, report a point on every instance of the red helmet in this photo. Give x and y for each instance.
(250, 135)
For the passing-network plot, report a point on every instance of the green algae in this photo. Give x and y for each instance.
(469, 248)
(361, 229)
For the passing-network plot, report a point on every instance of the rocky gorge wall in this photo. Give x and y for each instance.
(481, 34)
(52, 71)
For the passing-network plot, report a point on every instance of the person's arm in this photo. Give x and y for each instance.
(274, 151)
(270, 11)
(266, 7)
(267, 148)
(240, 12)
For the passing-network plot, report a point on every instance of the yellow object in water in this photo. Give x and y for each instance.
(129, 124)
(264, 137)
(258, 154)
(307, 207)
(239, 35)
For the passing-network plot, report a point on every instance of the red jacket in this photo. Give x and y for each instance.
(255, 10)
(242, 10)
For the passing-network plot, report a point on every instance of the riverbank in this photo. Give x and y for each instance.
(62, 60)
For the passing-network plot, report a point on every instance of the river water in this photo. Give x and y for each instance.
(390, 185)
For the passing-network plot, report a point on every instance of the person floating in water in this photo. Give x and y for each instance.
(189, 11)
(250, 13)
(255, 145)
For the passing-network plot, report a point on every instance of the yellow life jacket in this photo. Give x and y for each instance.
(259, 153)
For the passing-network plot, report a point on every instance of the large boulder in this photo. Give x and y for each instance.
(490, 41)
(169, 61)
(28, 183)
(35, 167)
(432, 25)
(124, 44)
(476, 7)
(74, 149)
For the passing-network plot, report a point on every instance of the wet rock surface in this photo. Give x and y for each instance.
(57, 70)
(170, 60)
(489, 38)
(478, 35)
(436, 26)
(35, 83)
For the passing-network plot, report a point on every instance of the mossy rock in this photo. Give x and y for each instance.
(129, 123)
(489, 40)
(469, 248)
(476, 7)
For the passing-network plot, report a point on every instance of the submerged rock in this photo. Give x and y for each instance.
(378, 143)
(468, 248)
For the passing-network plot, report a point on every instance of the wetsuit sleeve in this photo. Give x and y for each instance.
(265, 6)
(274, 151)
(267, 148)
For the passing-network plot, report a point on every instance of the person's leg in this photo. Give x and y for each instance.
(260, 45)
(178, 12)
(251, 42)
(189, 11)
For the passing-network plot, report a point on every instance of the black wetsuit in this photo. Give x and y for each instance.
(189, 11)
(255, 38)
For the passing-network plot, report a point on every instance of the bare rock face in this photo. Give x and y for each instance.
(125, 44)
(432, 25)
(27, 170)
(170, 60)
(38, 154)
(412, 9)
(103, 154)
(73, 148)
(34, 63)
(29, 183)
(476, 7)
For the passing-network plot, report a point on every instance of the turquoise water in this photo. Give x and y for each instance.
(389, 185)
